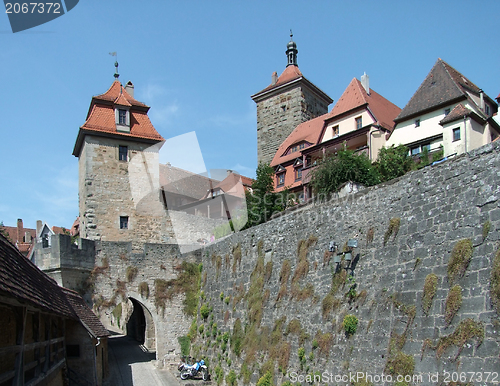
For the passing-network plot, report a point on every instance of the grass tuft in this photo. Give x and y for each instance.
(453, 304)
(459, 261)
(430, 287)
(495, 282)
(393, 229)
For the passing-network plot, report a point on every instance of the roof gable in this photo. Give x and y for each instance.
(355, 96)
(443, 84)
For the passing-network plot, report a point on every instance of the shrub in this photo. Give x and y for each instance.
(143, 289)
(219, 374)
(185, 343)
(350, 324)
(430, 287)
(486, 229)
(131, 273)
(393, 162)
(393, 229)
(495, 282)
(204, 311)
(266, 379)
(231, 378)
(459, 261)
(343, 167)
(453, 304)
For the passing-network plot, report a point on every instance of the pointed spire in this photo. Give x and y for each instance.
(117, 75)
(291, 52)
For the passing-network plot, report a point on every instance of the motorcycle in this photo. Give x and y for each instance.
(191, 371)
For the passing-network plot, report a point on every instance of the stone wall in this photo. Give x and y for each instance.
(67, 263)
(406, 229)
(279, 115)
(121, 273)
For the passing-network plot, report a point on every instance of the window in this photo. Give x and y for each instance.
(487, 110)
(73, 350)
(298, 173)
(415, 150)
(417, 122)
(446, 111)
(123, 153)
(123, 222)
(335, 131)
(298, 147)
(359, 122)
(122, 117)
(281, 179)
(456, 134)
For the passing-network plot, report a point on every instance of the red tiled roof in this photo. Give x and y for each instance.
(121, 100)
(356, 96)
(114, 92)
(247, 181)
(85, 314)
(307, 131)
(101, 117)
(498, 97)
(290, 73)
(459, 112)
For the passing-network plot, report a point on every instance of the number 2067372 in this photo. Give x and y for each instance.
(32, 7)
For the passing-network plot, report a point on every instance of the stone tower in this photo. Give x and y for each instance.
(118, 156)
(289, 100)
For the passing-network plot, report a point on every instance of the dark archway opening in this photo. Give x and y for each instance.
(136, 325)
(140, 326)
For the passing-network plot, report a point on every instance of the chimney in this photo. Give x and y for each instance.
(365, 82)
(19, 229)
(129, 87)
(27, 237)
(39, 226)
(229, 171)
(481, 103)
(274, 78)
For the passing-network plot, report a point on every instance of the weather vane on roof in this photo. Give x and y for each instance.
(116, 64)
(291, 35)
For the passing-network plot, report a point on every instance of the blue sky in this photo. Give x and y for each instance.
(196, 63)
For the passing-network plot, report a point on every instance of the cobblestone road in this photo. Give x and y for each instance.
(130, 365)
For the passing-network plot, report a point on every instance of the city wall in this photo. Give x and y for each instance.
(407, 230)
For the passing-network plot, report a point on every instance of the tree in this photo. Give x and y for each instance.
(393, 162)
(344, 166)
(263, 201)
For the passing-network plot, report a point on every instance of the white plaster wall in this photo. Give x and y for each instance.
(347, 124)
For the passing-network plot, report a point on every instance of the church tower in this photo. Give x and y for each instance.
(118, 156)
(289, 100)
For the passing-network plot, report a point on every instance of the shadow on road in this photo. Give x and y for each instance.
(124, 353)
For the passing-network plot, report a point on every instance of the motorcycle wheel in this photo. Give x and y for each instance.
(185, 375)
(204, 374)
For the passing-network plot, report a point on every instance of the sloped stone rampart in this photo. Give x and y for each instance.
(406, 229)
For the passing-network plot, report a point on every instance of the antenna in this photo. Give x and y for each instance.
(117, 75)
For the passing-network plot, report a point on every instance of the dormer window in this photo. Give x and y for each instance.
(122, 119)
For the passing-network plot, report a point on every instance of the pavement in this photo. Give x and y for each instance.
(130, 364)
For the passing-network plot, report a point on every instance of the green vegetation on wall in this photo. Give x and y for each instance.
(459, 260)
(430, 288)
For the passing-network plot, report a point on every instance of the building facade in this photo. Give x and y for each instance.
(447, 112)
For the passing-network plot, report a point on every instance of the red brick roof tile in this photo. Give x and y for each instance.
(308, 131)
(101, 117)
(356, 96)
(114, 92)
(290, 73)
(85, 314)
